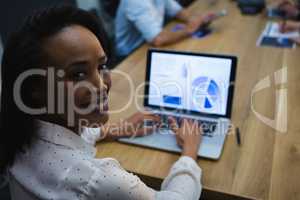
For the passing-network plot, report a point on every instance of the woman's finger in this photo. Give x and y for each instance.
(145, 131)
(173, 124)
(155, 118)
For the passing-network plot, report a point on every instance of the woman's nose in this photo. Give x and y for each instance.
(99, 82)
(107, 78)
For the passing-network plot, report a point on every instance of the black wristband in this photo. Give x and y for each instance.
(298, 17)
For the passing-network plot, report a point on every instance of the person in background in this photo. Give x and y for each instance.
(291, 9)
(139, 21)
(49, 158)
(290, 26)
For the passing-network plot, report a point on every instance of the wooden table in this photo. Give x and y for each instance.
(267, 164)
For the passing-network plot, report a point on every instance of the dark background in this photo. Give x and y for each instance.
(13, 12)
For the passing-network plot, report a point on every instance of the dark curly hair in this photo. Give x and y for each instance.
(22, 52)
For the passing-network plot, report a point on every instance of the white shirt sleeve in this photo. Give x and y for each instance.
(172, 8)
(108, 180)
(144, 16)
(91, 135)
(183, 181)
(60, 165)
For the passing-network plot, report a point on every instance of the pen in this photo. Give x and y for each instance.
(284, 24)
(238, 136)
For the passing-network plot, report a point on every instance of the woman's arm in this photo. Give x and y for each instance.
(182, 182)
(109, 180)
(134, 126)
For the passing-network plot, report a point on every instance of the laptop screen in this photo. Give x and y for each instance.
(190, 82)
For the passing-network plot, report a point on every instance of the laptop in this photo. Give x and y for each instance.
(189, 85)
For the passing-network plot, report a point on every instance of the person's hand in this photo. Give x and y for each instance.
(209, 17)
(289, 26)
(133, 126)
(197, 22)
(188, 136)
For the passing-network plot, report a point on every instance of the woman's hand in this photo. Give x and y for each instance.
(139, 124)
(188, 136)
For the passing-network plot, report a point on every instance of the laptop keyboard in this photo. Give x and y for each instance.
(208, 127)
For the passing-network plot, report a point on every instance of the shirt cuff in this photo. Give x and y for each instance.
(91, 135)
(185, 167)
(175, 10)
(151, 35)
(186, 161)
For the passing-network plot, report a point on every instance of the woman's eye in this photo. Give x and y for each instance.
(80, 75)
(102, 67)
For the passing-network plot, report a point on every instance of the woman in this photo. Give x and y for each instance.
(53, 77)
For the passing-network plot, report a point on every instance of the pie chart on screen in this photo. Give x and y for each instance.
(206, 94)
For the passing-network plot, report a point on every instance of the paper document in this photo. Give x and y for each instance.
(271, 36)
(273, 30)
